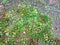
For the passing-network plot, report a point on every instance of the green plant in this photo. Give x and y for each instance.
(4, 1)
(3, 23)
(27, 21)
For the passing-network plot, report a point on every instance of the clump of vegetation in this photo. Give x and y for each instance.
(25, 23)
